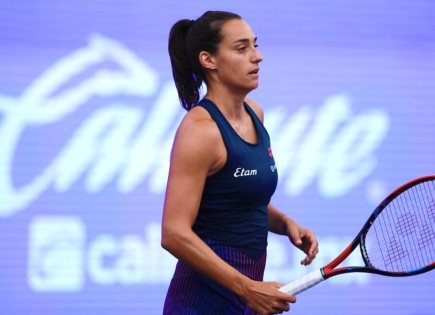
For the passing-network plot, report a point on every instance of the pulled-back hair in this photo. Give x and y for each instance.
(186, 40)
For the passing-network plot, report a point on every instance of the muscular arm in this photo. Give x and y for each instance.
(196, 155)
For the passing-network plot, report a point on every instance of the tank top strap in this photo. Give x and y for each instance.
(227, 132)
(217, 116)
(263, 136)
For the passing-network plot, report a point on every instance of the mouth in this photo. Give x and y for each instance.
(254, 72)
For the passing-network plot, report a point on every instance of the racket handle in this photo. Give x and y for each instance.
(303, 283)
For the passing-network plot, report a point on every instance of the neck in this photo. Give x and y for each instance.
(230, 103)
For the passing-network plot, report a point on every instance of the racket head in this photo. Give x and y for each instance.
(399, 237)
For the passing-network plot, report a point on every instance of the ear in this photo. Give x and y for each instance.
(206, 60)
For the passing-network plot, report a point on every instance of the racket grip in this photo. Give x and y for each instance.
(303, 283)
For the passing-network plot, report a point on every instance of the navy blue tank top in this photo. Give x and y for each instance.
(233, 208)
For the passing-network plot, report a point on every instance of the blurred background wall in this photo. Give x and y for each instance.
(88, 111)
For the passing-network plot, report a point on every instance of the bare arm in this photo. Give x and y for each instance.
(190, 163)
(195, 155)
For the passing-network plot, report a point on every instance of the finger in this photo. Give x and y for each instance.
(286, 307)
(310, 242)
(313, 245)
(307, 260)
(313, 250)
(295, 238)
(281, 307)
(286, 298)
(277, 284)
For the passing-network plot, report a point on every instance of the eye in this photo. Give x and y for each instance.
(241, 49)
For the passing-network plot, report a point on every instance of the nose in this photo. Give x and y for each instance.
(257, 57)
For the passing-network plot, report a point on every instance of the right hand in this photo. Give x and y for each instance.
(265, 298)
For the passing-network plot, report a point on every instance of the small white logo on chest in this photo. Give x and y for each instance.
(240, 171)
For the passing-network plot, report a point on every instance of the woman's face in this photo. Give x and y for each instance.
(237, 59)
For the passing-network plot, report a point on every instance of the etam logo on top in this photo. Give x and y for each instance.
(241, 172)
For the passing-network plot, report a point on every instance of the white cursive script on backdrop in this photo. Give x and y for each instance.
(130, 144)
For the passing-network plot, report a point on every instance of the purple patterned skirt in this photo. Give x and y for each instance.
(191, 293)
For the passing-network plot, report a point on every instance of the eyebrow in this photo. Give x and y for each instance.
(244, 41)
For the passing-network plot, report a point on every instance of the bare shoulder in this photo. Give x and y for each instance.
(198, 140)
(256, 107)
(197, 125)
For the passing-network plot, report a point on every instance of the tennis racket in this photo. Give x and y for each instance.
(397, 240)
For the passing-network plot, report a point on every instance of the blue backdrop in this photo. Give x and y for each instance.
(87, 115)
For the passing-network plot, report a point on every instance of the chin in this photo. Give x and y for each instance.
(246, 90)
(248, 87)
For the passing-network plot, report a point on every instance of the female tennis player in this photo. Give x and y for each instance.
(217, 210)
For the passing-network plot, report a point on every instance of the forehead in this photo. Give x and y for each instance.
(234, 30)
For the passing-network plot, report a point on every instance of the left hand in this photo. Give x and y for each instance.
(303, 239)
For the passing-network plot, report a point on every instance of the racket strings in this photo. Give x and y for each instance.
(407, 224)
(427, 237)
(431, 210)
(395, 252)
(402, 238)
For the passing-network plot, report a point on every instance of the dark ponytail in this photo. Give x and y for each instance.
(186, 40)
